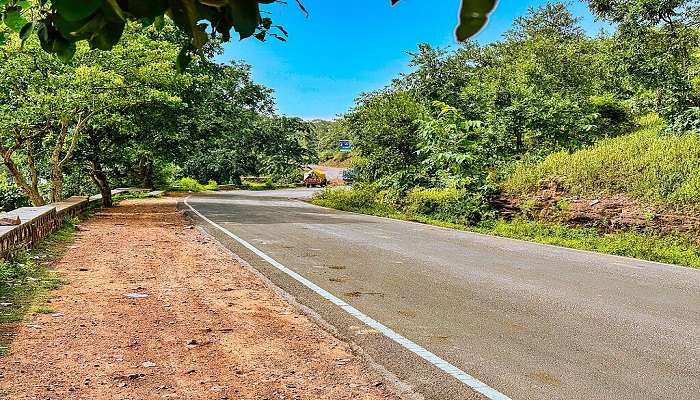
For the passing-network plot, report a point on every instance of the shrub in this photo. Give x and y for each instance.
(12, 197)
(362, 198)
(191, 185)
(447, 204)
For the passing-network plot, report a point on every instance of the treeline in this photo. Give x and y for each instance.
(442, 139)
(126, 117)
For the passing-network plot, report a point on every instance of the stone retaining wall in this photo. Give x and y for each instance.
(39, 222)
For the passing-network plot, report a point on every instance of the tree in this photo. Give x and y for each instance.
(385, 129)
(54, 111)
(60, 24)
(657, 41)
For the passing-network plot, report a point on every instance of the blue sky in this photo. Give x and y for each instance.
(345, 48)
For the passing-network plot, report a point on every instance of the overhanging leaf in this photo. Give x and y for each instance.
(473, 16)
(75, 10)
(245, 16)
(14, 20)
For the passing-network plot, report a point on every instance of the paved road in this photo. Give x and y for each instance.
(532, 321)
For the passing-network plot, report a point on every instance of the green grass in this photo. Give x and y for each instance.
(672, 249)
(131, 196)
(26, 280)
(648, 165)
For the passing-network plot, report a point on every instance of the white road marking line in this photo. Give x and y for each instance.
(445, 366)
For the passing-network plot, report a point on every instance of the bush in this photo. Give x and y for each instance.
(646, 164)
(11, 196)
(191, 185)
(447, 204)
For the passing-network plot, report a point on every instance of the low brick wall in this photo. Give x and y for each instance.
(39, 222)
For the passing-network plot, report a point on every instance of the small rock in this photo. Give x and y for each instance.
(5, 304)
(57, 315)
(149, 364)
(34, 326)
(135, 376)
(136, 295)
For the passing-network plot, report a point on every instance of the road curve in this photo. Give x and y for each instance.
(531, 321)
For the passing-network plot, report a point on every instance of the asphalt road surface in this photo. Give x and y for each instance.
(531, 321)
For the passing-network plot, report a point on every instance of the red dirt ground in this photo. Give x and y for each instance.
(209, 329)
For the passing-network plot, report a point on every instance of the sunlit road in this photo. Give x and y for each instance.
(532, 321)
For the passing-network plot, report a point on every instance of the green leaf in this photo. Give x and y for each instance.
(64, 49)
(26, 30)
(75, 10)
(184, 14)
(147, 9)
(108, 36)
(473, 16)
(79, 30)
(2, 38)
(14, 20)
(113, 11)
(159, 22)
(245, 16)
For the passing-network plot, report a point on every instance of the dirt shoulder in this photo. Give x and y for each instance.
(208, 328)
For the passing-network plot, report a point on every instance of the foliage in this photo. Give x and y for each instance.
(361, 198)
(124, 118)
(385, 130)
(647, 164)
(328, 135)
(60, 24)
(657, 42)
(191, 185)
(451, 205)
(11, 196)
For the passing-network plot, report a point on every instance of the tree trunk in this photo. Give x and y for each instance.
(146, 172)
(31, 190)
(56, 165)
(100, 179)
(56, 185)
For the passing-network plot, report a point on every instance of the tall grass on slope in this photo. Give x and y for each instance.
(646, 164)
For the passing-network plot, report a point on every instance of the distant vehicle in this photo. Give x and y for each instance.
(349, 175)
(315, 178)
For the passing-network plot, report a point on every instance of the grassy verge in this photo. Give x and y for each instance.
(672, 249)
(648, 165)
(26, 280)
(131, 196)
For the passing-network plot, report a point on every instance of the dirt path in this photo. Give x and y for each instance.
(209, 329)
